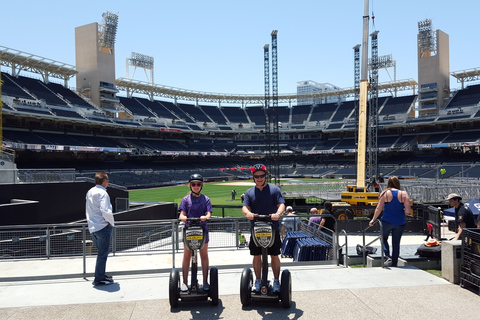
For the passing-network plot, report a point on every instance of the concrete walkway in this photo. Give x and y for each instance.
(54, 289)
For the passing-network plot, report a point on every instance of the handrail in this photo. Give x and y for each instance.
(377, 238)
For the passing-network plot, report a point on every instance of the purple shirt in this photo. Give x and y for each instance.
(195, 207)
(313, 220)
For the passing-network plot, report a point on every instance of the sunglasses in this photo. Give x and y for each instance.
(260, 176)
(196, 184)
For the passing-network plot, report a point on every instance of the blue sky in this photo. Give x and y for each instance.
(217, 46)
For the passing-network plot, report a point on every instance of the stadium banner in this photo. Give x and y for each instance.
(65, 148)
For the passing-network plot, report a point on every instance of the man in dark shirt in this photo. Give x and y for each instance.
(327, 224)
(463, 215)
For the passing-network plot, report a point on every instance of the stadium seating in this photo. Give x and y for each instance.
(319, 132)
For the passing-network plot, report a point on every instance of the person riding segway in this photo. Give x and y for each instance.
(195, 209)
(260, 203)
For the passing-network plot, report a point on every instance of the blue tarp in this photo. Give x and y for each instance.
(473, 204)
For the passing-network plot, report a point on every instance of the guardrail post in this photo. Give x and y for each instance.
(237, 229)
(47, 243)
(114, 241)
(174, 241)
(84, 247)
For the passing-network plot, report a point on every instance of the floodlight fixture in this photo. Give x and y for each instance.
(427, 41)
(108, 30)
(141, 61)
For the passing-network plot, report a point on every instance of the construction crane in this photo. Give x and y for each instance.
(358, 195)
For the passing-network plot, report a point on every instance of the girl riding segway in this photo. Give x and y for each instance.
(196, 205)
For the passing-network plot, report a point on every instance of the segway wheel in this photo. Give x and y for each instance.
(214, 285)
(174, 288)
(286, 289)
(246, 283)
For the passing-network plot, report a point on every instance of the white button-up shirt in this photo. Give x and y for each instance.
(98, 209)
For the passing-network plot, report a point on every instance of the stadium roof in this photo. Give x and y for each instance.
(30, 62)
(466, 75)
(146, 88)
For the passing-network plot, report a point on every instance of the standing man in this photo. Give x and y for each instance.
(463, 215)
(264, 199)
(314, 221)
(290, 223)
(98, 210)
(443, 171)
(327, 223)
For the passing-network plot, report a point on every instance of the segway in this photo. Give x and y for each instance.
(194, 236)
(263, 235)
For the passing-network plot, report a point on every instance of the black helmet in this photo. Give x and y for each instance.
(258, 167)
(196, 177)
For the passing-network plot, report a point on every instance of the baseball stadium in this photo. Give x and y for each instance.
(339, 145)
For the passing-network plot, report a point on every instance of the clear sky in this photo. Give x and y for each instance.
(217, 45)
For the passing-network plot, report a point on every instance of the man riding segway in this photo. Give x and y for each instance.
(264, 202)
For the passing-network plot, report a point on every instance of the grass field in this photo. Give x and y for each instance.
(220, 193)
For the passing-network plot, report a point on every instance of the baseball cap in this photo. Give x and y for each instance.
(453, 196)
(289, 208)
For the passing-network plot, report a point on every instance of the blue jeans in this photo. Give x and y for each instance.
(397, 232)
(101, 239)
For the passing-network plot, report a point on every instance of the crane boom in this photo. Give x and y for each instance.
(362, 108)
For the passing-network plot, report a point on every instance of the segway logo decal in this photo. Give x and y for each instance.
(194, 238)
(264, 236)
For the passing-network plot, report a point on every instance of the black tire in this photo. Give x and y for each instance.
(246, 283)
(343, 214)
(214, 285)
(174, 288)
(286, 289)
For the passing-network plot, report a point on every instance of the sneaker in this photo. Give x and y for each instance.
(276, 286)
(184, 287)
(102, 283)
(206, 286)
(387, 263)
(258, 285)
(109, 278)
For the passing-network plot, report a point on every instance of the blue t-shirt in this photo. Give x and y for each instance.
(394, 211)
(265, 201)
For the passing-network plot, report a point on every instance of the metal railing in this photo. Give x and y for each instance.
(14, 176)
(49, 241)
(371, 242)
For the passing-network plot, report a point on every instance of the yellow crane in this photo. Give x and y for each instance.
(358, 195)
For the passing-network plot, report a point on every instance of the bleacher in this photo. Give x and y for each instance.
(136, 107)
(235, 114)
(343, 111)
(256, 115)
(215, 114)
(194, 112)
(300, 114)
(323, 112)
(397, 105)
(469, 96)
(39, 90)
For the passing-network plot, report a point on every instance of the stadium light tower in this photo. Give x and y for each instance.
(107, 31)
(141, 61)
(272, 115)
(372, 134)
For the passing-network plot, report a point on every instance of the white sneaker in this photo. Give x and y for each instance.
(184, 287)
(258, 285)
(276, 286)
